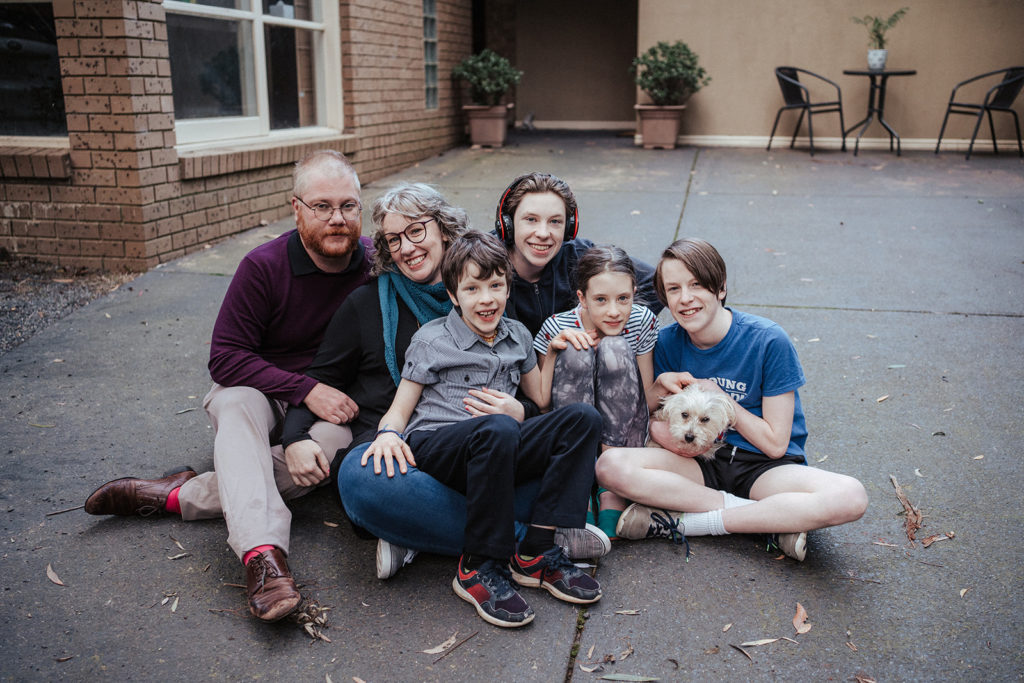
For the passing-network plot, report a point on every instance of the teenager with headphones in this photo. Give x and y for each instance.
(538, 220)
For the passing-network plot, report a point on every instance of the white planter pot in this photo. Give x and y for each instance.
(876, 59)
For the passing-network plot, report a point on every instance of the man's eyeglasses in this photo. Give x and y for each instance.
(325, 212)
(414, 232)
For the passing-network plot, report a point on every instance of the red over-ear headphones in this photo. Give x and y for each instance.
(504, 225)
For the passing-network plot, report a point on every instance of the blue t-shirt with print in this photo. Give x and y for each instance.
(755, 359)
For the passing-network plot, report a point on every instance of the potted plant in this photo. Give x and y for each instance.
(489, 76)
(877, 28)
(669, 73)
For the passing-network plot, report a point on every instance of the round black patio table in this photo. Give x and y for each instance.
(878, 77)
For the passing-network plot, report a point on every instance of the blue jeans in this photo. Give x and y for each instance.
(414, 510)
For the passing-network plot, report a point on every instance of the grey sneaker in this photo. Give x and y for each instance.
(639, 521)
(792, 545)
(391, 558)
(580, 544)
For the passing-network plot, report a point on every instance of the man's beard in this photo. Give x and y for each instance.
(316, 239)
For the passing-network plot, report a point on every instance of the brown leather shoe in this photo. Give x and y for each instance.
(131, 496)
(272, 592)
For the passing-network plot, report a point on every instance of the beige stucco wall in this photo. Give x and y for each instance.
(740, 42)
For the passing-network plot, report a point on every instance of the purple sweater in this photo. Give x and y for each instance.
(274, 316)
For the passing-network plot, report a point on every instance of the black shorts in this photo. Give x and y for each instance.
(736, 470)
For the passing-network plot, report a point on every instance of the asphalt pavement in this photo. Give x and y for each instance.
(899, 279)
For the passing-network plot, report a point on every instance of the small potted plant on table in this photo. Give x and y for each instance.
(877, 28)
(489, 76)
(669, 73)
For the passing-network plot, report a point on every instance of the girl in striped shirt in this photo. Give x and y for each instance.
(601, 353)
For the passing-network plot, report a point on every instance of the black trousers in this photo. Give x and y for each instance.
(485, 457)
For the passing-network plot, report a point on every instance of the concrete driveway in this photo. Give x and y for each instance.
(901, 282)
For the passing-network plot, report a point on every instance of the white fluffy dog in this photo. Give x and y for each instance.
(696, 418)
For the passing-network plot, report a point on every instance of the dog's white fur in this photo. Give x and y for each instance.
(696, 418)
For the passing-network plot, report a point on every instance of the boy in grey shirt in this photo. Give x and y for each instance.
(485, 457)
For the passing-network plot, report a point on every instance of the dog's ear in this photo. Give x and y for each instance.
(727, 405)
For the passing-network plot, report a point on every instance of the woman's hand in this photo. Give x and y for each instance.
(488, 401)
(389, 447)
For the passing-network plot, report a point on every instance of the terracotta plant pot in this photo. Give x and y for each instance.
(487, 125)
(659, 125)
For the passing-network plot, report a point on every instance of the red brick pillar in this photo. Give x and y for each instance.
(117, 92)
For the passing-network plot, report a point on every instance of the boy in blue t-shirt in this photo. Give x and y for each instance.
(759, 481)
(485, 457)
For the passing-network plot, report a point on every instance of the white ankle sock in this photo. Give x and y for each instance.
(703, 524)
(732, 501)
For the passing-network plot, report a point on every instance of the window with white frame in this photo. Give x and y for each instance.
(254, 68)
(430, 52)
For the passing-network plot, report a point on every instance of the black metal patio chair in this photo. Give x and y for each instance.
(796, 96)
(999, 97)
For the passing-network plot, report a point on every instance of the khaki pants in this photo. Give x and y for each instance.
(250, 481)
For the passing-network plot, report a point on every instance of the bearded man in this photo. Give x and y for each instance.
(269, 327)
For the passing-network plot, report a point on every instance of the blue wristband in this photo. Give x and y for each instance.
(389, 431)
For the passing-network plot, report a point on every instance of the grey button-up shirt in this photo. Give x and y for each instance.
(449, 359)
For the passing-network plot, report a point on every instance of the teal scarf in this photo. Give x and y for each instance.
(426, 302)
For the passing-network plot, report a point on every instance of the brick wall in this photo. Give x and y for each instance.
(120, 197)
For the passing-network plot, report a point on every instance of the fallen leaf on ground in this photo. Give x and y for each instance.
(917, 472)
(963, 591)
(52, 576)
(591, 669)
(627, 677)
(755, 643)
(745, 653)
(176, 542)
(823, 458)
(178, 556)
(64, 659)
(627, 652)
(33, 424)
(861, 678)
(711, 650)
(913, 519)
(881, 398)
(895, 366)
(851, 646)
(442, 647)
(727, 627)
(800, 619)
(330, 524)
(590, 652)
(174, 605)
(629, 612)
(978, 457)
(937, 537)
(939, 433)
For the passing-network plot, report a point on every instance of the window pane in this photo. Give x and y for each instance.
(211, 67)
(31, 99)
(289, 9)
(291, 83)
(227, 4)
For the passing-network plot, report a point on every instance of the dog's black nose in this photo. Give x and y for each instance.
(689, 438)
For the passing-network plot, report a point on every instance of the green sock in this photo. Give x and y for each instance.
(607, 521)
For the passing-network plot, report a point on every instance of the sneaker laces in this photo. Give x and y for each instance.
(497, 578)
(664, 526)
(556, 559)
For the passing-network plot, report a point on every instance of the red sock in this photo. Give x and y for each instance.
(172, 501)
(258, 550)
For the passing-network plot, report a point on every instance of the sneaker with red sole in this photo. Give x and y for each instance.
(553, 572)
(491, 590)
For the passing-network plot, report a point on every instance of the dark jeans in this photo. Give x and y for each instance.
(485, 457)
